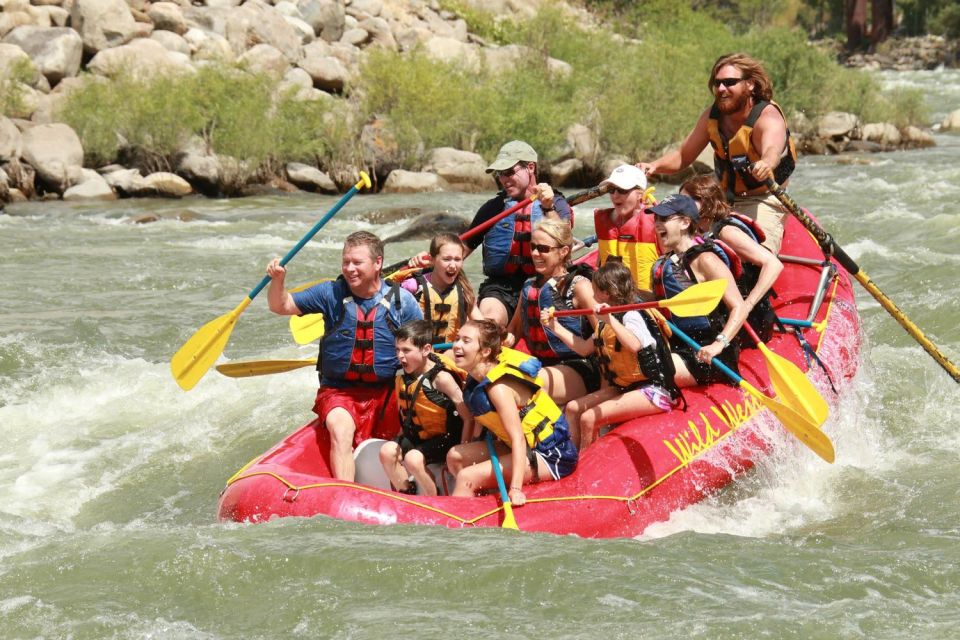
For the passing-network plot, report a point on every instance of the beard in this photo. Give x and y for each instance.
(731, 104)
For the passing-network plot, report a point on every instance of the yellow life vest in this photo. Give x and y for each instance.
(727, 151)
(446, 312)
(634, 241)
(426, 412)
(537, 417)
(619, 366)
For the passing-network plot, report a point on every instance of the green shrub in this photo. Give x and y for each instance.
(20, 73)
(947, 22)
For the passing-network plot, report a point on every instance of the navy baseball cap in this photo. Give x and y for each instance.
(676, 204)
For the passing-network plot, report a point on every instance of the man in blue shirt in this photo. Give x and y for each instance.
(357, 360)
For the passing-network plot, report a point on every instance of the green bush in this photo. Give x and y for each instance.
(20, 73)
(947, 22)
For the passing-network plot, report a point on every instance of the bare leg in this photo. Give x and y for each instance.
(416, 464)
(341, 427)
(613, 410)
(586, 428)
(493, 309)
(390, 457)
(562, 383)
(463, 457)
(683, 378)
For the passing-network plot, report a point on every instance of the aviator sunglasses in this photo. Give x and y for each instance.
(729, 83)
(506, 173)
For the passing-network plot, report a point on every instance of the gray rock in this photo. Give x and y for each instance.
(171, 41)
(56, 51)
(167, 16)
(355, 36)
(102, 24)
(256, 22)
(951, 122)
(838, 124)
(917, 138)
(371, 8)
(10, 20)
(11, 142)
(883, 133)
(143, 58)
(401, 181)
(327, 17)
(56, 153)
(168, 185)
(310, 178)
(266, 59)
(427, 225)
(463, 170)
(567, 172)
(304, 30)
(91, 187)
(126, 182)
(327, 72)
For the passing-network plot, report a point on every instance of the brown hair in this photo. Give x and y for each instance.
(438, 242)
(750, 68)
(707, 191)
(419, 332)
(367, 239)
(489, 336)
(616, 280)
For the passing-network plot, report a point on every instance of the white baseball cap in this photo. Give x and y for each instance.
(627, 176)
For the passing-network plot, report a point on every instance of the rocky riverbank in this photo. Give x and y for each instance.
(314, 47)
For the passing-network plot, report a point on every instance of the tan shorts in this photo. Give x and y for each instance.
(769, 214)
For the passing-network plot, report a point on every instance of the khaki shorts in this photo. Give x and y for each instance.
(769, 214)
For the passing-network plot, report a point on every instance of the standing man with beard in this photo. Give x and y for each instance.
(750, 140)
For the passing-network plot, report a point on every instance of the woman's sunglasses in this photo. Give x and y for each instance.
(542, 248)
(622, 192)
(729, 83)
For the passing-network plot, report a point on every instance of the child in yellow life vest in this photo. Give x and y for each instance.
(505, 395)
(444, 293)
(432, 411)
(637, 369)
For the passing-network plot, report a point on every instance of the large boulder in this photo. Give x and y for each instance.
(92, 186)
(142, 58)
(401, 181)
(568, 172)
(463, 170)
(379, 148)
(55, 51)
(11, 142)
(56, 153)
(167, 16)
(837, 125)
(451, 51)
(165, 184)
(102, 24)
(327, 17)
(254, 23)
(917, 138)
(172, 42)
(265, 59)
(883, 133)
(14, 60)
(310, 178)
(126, 182)
(951, 122)
(327, 72)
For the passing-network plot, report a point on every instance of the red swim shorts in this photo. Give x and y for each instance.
(373, 408)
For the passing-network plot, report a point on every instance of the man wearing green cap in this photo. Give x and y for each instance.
(507, 261)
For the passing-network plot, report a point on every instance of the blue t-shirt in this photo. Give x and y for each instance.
(327, 298)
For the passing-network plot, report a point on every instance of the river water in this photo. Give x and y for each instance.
(109, 473)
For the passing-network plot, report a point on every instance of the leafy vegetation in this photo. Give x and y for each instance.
(18, 74)
(639, 82)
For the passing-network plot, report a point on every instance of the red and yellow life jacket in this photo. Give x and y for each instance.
(446, 311)
(634, 241)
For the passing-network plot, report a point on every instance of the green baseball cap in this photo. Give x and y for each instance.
(510, 154)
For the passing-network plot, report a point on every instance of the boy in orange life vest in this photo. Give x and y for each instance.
(432, 411)
(624, 231)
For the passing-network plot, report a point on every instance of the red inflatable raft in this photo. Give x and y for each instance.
(635, 475)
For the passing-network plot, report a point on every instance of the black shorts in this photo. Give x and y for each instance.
(434, 450)
(703, 372)
(506, 289)
(587, 368)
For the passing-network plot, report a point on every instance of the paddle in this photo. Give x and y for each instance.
(799, 425)
(698, 300)
(577, 198)
(195, 357)
(250, 368)
(509, 522)
(790, 383)
(831, 248)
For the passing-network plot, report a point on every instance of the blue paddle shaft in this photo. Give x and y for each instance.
(495, 461)
(305, 239)
(796, 323)
(730, 373)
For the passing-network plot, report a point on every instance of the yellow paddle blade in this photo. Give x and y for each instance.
(306, 328)
(791, 385)
(252, 368)
(509, 522)
(197, 354)
(698, 300)
(800, 426)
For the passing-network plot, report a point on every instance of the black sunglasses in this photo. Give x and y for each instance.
(729, 83)
(506, 173)
(542, 248)
(622, 192)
